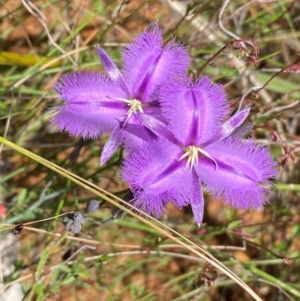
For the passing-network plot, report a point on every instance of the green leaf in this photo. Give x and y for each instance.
(68, 279)
(294, 254)
(40, 289)
(295, 230)
(234, 225)
(18, 59)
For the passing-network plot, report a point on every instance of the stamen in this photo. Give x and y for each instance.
(134, 105)
(192, 152)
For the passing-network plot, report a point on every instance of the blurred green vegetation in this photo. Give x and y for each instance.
(130, 259)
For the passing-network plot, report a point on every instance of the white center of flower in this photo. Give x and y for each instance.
(134, 105)
(192, 155)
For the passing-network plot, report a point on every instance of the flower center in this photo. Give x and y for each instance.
(134, 105)
(192, 155)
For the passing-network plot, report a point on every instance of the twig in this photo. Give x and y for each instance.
(245, 94)
(230, 33)
(282, 108)
(42, 18)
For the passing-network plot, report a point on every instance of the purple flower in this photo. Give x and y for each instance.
(203, 153)
(95, 104)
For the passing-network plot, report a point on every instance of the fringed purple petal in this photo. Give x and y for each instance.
(195, 111)
(88, 108)
(147, 64)
(111, 69)
(111, 145)
(156, 177)
(243, 172)
(135, 135)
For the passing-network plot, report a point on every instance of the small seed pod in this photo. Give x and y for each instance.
(73, 226)
(92, 206)
(66, 219)
(79, 217)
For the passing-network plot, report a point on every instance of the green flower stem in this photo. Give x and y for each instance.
(287, 187)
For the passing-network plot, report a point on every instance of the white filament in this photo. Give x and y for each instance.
(192, 155)
(134, 105)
